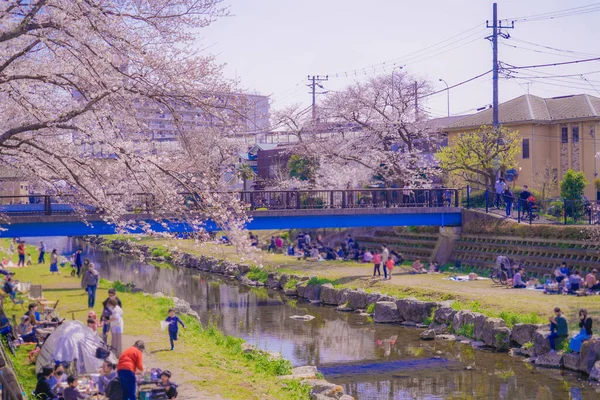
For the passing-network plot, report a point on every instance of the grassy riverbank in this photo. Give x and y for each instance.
(513, 305)
(212, 365)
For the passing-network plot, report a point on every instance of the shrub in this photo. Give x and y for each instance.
(159, 252)
(258, 274)
(429, 320)
(316, 281)
(371, 308)
(291, 284)
(528, 345)
(467, 330)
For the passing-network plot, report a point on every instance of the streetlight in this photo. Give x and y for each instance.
(447, 94)
(394, 69)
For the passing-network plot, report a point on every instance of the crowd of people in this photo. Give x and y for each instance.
(564, 280)
(117, 380)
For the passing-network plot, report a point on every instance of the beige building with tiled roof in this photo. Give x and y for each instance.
(561, 130)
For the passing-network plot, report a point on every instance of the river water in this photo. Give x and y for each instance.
(371, 361)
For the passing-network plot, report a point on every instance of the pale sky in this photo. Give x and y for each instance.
(271, 46)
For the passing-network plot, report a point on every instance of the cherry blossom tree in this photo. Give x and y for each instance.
(79, 81)
(368, 130)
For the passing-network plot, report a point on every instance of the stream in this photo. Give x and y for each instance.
(371, 361)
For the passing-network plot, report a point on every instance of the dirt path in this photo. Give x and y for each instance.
(186, 389)
(484, 291)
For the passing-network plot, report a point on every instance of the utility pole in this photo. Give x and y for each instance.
(496, 31)
(313, 85)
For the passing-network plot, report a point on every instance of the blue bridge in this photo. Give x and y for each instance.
(46, 215)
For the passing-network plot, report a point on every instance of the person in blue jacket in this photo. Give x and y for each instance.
(173, 321)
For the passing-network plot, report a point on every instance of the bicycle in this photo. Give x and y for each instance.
(499, 277)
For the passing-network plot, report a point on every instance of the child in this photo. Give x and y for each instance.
(29, 259)
(71, 392)
(170, 387)
(173, 320)
(389, 264)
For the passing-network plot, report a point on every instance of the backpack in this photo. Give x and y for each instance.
(113, 390)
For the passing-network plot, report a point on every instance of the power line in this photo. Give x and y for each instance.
(539, 51)
(410, 56)
(512, 67)
(559, 14)
(455, 85)
(554, 48)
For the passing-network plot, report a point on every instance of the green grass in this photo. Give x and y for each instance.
(24, 370)
(258, 274)
(291, 284)
(371, 308)
(160, 252)
(214, 361)
(316, 281)
(467, 330)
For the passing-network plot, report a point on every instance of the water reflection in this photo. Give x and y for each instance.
(370, 361)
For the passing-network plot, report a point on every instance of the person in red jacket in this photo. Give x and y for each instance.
(130, 362)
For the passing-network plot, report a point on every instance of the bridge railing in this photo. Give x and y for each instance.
(61, 204)
(351, 198)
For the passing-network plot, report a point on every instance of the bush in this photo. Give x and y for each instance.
(160, 252)
(291, 284)
(467, 330)
(556, 209)
(371, 308)
(316, 281)
(258, 274)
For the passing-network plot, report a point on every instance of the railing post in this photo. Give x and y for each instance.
(298, 203)
(565, 210)
(468, 197)
(47, 207)
(331, 199)
(252, 200)
(518, 210)
(343, 199)
(486, 201)
(387, 198)
(430, 198)
(530, 213)
(456, 201)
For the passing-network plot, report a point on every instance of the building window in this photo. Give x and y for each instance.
(525, 148)
(575, 131)
(565, 134)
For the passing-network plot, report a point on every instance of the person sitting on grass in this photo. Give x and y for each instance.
(290, 250)
(367, 256)
(9, 289)
(591, 282)
(107, 374)
(417, 267)
(585, 333)
(575, 281)
(559, 328)
(434, 267)
(517, 280)
(43, 390)
(71, 392)
(170, 387)
(26, 330)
